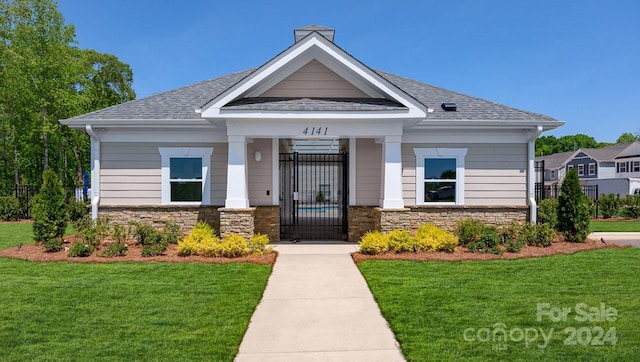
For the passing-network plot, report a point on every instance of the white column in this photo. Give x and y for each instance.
(392, 187)
(237, 190)
(95, 171)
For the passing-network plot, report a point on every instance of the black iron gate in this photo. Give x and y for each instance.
(313, 196)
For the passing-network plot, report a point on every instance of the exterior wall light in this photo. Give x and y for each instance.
(258, 156)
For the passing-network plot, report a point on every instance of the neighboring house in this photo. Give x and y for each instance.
(596, 166)
(313, 144)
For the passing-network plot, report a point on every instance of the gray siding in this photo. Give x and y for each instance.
(368, 172)
(260, 173)
(130, 173)
(314, 80)
(495, 174)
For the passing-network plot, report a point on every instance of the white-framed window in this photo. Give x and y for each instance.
(622, 167)
(592, 169)
(552, 175)
(440, 175)
(569, 167)
(580, 170)
(636, 166)
(185, 175)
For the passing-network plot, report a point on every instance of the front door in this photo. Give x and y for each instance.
(313, 196)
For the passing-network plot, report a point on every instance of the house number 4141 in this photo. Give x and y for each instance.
(315, 131)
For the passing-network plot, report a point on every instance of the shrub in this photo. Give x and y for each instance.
(573, 209)
(374, 242)
(538, 235)
(120, 233)
(233, 246)
(154, 249)
(201, 240)
(146, 234)
(92, 231)
(488, 242)
(609, 205)
(77, 209)
(53, 245)
(258, 244)
(432, 238)
(10, 208)
(548, 212)
(49, 209)
(511, 238)
(400, 240)
(115, 249)
(81, 250)
(171, 232)
(469, 231)
(632, 206)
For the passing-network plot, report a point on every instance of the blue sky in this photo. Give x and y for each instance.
(577, 61)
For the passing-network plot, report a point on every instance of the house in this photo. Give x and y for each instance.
(605, 167)
(313, 144)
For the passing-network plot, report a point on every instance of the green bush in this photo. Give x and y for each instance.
(469, 231)
(511, 238)
(81, 250)
(374, 242)
(77, 209)
(631, 206)
(488, 242)
(115, 249)
(574, 216)
(92, 231)
(548, 212)
(153, 242)
(609, 205)
(10, 208)
(399, 241)
(154, 249)
(538, 235)
(53, 245)
(432, 238)
(120, 233)
(258, 244)
(171, 232)
(49, 209)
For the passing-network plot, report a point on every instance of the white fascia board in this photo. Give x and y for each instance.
(484, 123)
(140, 123)
(344, 115)
(464, 136)
(166, 135)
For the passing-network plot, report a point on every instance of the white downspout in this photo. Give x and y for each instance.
(531, 175)
(95, 171)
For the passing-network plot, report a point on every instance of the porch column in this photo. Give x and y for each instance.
(392, 188)
(237, 190)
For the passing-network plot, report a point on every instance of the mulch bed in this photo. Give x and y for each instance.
(36, 252)
(462, 254)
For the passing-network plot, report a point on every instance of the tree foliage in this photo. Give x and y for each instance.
(49, 209)
(548, 145)
(628, 137)
(573, 209)
(45, 77)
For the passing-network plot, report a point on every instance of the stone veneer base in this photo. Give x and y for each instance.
(185, 216)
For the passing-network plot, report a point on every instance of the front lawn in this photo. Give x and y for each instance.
(126, 311)
(489, 310)
(14, 233)
(615, 226)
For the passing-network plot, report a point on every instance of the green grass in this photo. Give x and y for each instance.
(615, 226)
(429, 305)
(14, 233)
(126, 311)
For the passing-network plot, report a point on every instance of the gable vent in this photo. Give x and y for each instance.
(304, 31)
(449, 106)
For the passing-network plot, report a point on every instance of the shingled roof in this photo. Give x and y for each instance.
(181, 103)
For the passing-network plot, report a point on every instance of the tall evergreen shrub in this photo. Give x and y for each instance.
(573, 209)
(49, 209)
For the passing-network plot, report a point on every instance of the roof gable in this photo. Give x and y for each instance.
(314, 50)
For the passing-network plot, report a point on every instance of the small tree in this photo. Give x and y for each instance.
(573, 209)
(49, 210)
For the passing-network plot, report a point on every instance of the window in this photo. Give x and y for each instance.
(440, 175)
(569, 167)
(580, 170)
(552, 174)
(592, 169)
(636, 166)
(622, 167)
(185, 175)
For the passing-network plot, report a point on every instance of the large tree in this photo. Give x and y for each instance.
(628, 137)
(45, 77)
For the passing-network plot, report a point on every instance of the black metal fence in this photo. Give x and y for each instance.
(25, 193)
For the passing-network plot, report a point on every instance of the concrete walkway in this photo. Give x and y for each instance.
(317, 307)
(624, 238)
